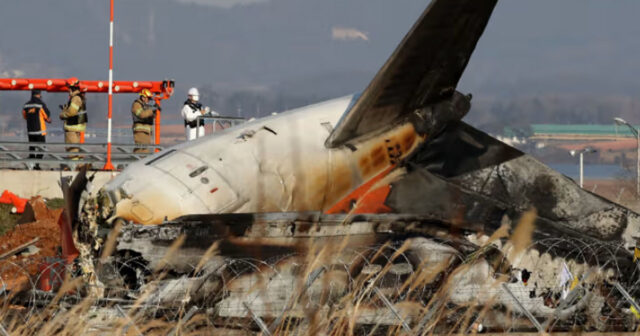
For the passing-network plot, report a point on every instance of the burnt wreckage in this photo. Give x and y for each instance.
(441, 204)
(423, 221)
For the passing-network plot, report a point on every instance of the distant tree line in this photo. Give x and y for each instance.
(493, 114)
(490, 114)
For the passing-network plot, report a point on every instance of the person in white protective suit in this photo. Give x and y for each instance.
(192, 109)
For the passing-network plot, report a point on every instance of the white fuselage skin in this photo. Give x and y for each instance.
(248, 168)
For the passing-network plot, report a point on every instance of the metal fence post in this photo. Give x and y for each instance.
(185, 318)
(312, 278)
(257, 319)
(130, 323)
(393, 309)
(526, 312)
(627, 296)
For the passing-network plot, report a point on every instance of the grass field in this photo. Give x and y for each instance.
(7, 219)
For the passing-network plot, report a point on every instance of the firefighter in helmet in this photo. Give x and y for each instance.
(74, 116)
(143, 112)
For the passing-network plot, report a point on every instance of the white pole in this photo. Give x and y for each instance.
(581, 169)
(108, 165)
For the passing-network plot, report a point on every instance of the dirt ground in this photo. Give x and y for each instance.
(38, 222)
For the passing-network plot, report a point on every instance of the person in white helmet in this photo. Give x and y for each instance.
(191, 110)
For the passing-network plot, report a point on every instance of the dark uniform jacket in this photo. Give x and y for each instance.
(36, 113)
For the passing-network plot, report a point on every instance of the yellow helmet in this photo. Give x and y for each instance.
(73, 81)
(145, 93)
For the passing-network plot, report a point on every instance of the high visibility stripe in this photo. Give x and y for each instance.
(111, 34)
(74, 106)
(75, 128)
(142, 127)
(109, 133)
(27, 106)
(138, 111)
(110, 82)
(43, 126)
(37, 133)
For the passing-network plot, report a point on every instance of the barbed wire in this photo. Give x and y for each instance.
(357, 283)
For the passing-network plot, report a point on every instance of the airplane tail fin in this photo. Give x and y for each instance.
(424, 69)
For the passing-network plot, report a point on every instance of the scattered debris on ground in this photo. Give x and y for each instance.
(38, 223)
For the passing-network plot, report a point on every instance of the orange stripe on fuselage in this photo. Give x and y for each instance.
(364, 198)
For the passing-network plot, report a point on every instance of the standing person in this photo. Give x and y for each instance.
(36, 113)
(74, 115)
(143, 116)
(191, 110)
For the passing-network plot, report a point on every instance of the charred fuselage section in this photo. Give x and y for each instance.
(445, 201)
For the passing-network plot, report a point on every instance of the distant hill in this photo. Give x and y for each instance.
(266, 55)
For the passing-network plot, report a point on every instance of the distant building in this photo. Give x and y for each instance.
(578, 132)
(512, 141)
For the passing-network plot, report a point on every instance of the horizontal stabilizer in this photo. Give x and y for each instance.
(425, 68)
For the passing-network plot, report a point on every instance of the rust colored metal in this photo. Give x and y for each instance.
(364, 199)
(162, 88)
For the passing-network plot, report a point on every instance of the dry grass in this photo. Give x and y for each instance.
(7, 219)
(425, 312)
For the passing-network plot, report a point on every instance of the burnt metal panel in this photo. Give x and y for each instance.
(460, 149)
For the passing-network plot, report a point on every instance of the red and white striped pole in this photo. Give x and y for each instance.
(108, 165)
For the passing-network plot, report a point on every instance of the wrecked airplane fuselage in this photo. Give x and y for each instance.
(278, 163)
(441, 209)
(404, 197)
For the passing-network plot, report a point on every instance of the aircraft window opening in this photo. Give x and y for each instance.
(160, 157)
(198, 171)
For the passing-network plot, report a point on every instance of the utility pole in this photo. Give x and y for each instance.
(581, 169)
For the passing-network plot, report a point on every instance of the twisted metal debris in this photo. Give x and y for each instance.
(363, 290)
